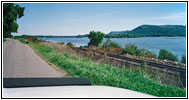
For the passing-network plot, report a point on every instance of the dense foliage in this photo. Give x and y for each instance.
(164, 54)
(150, 31)
(32, 39)
(159, 30)
(122, 35)
(135, 51)
(96, 38)
(61, 42)
(70, 44)
(102, 74)
(110, 43)
(11, 12)
(183, 59)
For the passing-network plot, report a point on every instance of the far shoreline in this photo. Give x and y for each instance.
(51, 36)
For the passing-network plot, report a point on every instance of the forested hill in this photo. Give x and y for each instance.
(159, 30)
(151, 31)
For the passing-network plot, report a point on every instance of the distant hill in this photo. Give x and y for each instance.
(140, 31)
(159, 30)
(119, 32)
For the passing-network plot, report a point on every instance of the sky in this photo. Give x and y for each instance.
(65, 19)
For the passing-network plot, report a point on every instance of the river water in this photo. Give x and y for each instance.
(176, 45)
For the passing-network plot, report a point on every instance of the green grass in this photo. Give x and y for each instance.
(102, 74)
(23, 41)
(20, 39)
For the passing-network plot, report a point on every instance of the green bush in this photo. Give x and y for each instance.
(149, 54)
(130, 49)
(61, 43)
(164, 54)
(32, 39)
(23, 41)
(135, 51)
(183, 59)
(141, 52)
(96, 38)
(110, 43)
(70, 44)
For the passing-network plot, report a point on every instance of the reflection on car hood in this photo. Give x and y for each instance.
(72, 92)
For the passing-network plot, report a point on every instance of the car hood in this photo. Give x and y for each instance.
(72, 92)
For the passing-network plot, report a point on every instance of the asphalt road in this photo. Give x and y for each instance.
(19, 60)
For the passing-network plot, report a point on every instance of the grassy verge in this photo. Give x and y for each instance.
(102, 74)
(21, 40)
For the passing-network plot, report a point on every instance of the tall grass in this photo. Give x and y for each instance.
(102, 74)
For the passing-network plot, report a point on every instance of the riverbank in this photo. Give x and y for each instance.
(103, 74)
(153, 44)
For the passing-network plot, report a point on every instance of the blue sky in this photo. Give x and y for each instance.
(80, 18)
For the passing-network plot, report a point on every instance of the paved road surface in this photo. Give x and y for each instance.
(19, 60)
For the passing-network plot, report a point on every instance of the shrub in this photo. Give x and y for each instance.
(32, 39)
(183, 59)
(70, 44)
(61, 43)
(23, 41)
(135, 51)
(164, 54)
(113, 50)
(149, 54)
(130, 49)
(110, 43)
(96, 38)
(140, 52)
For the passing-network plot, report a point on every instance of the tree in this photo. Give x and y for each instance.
(11, 12)
(164, 54)
(95, 38)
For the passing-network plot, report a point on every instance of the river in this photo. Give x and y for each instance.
(176, 45)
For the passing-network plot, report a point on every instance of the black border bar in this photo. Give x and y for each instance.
(37, 82)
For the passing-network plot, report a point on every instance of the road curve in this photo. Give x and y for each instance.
(19, 60)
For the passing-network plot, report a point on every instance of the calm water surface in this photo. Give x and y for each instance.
(176, 45)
